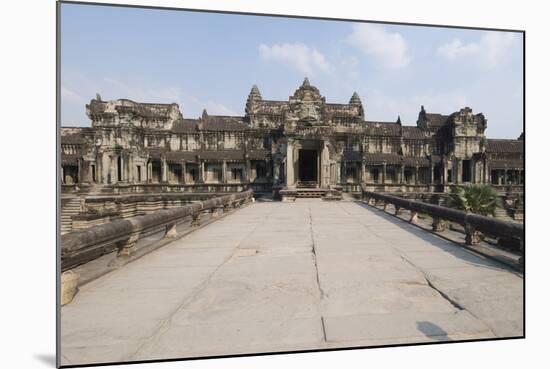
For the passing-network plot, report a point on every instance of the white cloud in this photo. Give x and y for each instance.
(297, 55)
(69, 95)
(388, 49)
(488, 51)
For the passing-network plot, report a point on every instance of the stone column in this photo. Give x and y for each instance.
(416, 175)
(401, 173)
(79, 171)
(506, 176)
(276, 174)
(248, 169)
(431, 178)
(325, 166)
(444, 162)
(224, 171)
(149, 172)
(485, 176)
(183, 172)
(384, 173)
(201, 171)
(290, 164)
(458, 175)
(164, 169)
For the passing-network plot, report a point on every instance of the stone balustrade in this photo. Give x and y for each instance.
(121, 235)
(472, 223)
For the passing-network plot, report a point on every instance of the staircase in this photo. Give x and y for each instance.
(310, 192)
(70, 208)
(307, 184)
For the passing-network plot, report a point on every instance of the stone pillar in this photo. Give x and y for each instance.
(224, 171)
(401, 173)
(431, 178)
(416, 175)
(248, 169)
(344, 178)
(458, 175)
(276, 174)
(290, 164)
(384, 173)
(201, 171)
(445, 170)
(485, 176)
(325, 166)
(505, 176)
(79, 171)
(183, 172)
(149, 172)
(164, 169)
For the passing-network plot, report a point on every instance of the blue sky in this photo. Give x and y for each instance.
(206, 60)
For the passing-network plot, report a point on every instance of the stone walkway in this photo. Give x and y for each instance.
(291, 276)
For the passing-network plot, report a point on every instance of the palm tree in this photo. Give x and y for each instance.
(475, 198)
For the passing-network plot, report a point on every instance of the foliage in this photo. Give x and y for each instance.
(475, 198)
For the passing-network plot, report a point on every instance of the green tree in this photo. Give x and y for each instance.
(475, 198)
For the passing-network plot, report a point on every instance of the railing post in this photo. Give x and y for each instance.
(196, 219)
(414, 217)
(217, 211)
(472, 236)
(397, 210)
(438, 225)
(128, 246)
(171, 231)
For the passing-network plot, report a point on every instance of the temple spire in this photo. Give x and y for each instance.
(306, 83)
(399, 119)
(355, 99)
(253, 96)
(254, 93)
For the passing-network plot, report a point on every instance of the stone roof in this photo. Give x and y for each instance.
(416, 161)
(394, 159)
(504, 146)
(435, 119)
(258, 154)
(506, 164)
(383, 128)
(179, 156)
(220, 155)
(74, 139)
(377, 158)
(209, 123)
(185, 126)
(223, 123)
(156, 153)
(411, 132)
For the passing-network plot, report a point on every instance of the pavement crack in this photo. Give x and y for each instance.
(314, 253)
(453, 302)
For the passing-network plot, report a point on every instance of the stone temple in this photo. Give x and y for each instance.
(302, 146)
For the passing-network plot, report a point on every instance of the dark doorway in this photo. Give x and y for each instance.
(155, 172)
(466, 171)
(307, 165)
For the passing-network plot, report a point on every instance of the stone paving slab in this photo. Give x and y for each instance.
(291, 276)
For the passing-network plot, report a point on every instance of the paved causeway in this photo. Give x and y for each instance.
(290, 276)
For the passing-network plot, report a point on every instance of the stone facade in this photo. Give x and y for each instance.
(303, 142)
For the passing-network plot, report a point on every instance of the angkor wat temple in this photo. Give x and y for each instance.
(278, 146)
